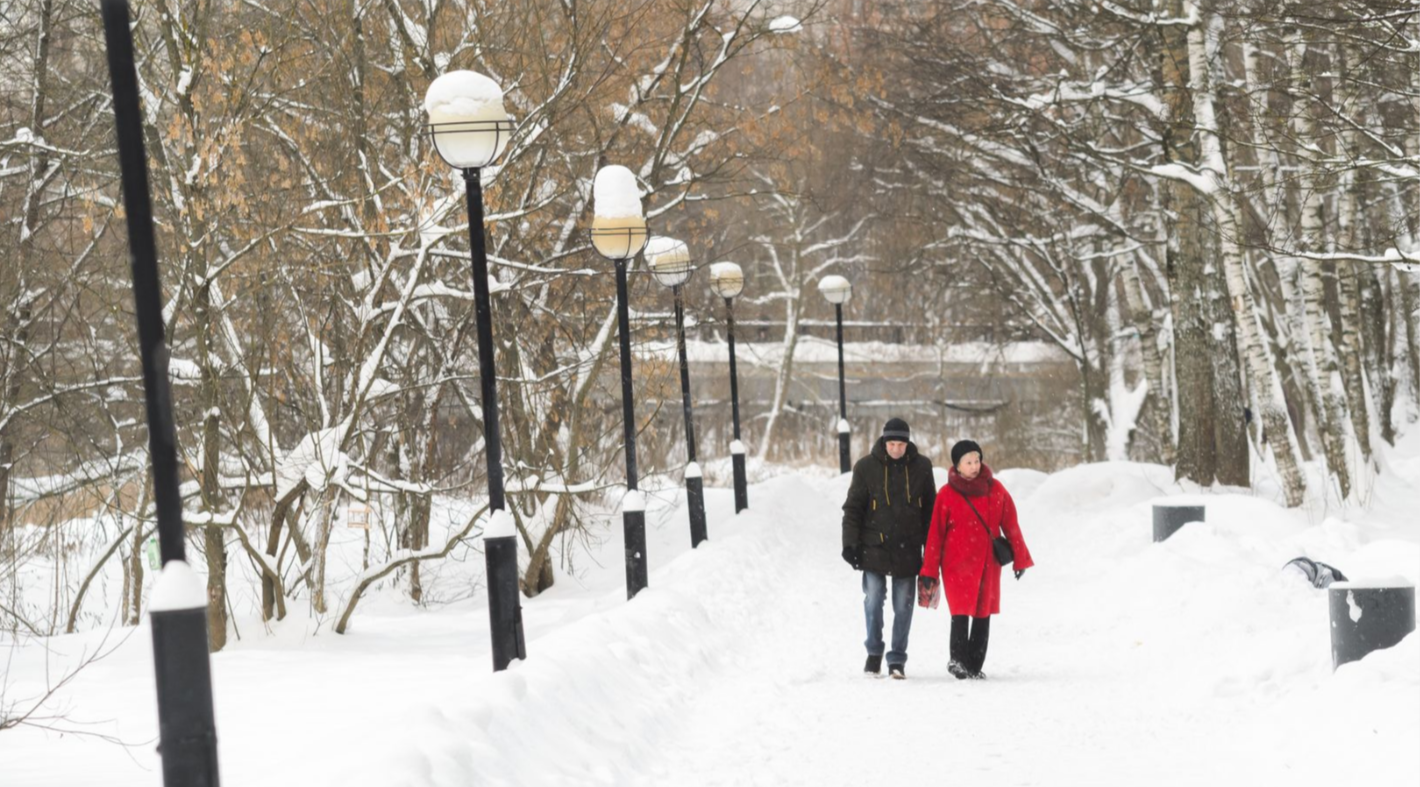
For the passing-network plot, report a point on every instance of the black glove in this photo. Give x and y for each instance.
(1019, 572)
(854, 556)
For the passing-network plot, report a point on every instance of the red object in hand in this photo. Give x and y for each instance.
(929, 592)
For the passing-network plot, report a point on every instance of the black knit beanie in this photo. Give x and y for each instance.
(896, 429)
(962, 448)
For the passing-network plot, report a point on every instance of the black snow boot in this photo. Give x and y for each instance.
(874, 666)
(896, 671)
(957, 670)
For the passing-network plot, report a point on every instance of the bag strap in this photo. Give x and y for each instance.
(978, 514)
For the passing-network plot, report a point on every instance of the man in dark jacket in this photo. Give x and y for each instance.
(885, 521)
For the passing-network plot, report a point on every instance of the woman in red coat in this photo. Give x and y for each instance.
(971, 510)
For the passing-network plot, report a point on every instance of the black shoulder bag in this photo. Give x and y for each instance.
(1000, 545)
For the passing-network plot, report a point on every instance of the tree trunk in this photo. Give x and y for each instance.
(1408, 304)
(213, 535)
(1233, 464)
(1156, 419)
(1196, 459)
(1322, 372)
(1259, 364)
(12, 358)
(786, 367)
(1376, 345)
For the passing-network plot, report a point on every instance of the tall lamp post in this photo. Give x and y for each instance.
(669, 261)
(728, 281)
(837, 290)
(470, 128)
(187, 732)
(619, 233)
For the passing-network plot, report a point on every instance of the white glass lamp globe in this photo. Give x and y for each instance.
(467, 119)
(836, 289)
(618, 226)
(726, 279)
(669, 260)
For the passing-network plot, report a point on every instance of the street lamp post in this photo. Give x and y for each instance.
(837, 290)
(619, 233)
(669, 261)
(728, 281)
(470, 128)
(187, 732)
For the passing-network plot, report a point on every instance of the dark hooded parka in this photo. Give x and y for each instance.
(889, 509)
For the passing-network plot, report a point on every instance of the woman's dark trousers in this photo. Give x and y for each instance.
(969, 650)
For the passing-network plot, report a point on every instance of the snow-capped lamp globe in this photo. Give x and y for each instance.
(467, 120)
(669, 260)
(470, 128)
(835, 289)
(727, 279)
(618, 225)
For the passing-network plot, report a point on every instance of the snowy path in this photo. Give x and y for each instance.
(1078, 693)
(1115, 662)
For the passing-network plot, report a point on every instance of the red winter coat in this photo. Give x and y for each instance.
(959, 548)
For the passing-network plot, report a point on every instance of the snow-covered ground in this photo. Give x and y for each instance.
(1115, 661)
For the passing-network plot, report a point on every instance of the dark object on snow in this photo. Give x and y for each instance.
(874, 665)
(1321, 575)
(1169, 518)
(896, 671)
(1366, 618)
(964, 447)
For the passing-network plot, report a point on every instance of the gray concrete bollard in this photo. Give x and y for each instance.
(1369, 615)
(1169, 518)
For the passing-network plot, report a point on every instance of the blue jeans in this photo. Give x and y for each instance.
(874, 594)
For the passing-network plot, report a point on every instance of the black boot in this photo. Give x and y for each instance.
(958, 666)
(976, 647)
(874, 666)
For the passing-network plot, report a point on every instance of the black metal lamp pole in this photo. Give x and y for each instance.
(737, 449)
(845, 437)
(633, 512)
(694, 484)
(187, 733)
(469, 131)
(500, 552)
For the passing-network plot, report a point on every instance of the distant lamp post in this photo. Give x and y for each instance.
(727, 280)
(619, 233)
(669, 261)
(837, 290)
(470, 128)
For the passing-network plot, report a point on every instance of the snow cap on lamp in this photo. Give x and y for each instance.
(467, 118)
(727, 279)
(836, 289)
(668, 259)
(618, 225)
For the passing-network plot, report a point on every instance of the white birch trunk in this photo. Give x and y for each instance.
(1258, 360)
